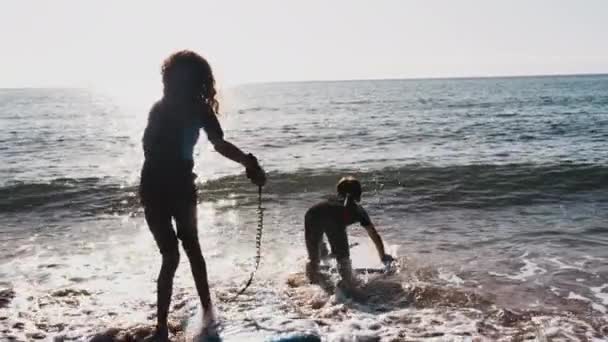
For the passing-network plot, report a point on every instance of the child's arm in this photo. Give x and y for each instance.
(366, 222)
(373, 234)
(215, 134)
(230, 151)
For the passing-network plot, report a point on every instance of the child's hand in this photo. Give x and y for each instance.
(257, 176)
(255, 172)
(387, 259)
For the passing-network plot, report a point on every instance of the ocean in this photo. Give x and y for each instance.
(491, 191)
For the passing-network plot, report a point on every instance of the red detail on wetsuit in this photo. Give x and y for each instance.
(346, 216)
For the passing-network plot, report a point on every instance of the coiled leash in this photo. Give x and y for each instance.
(258, 243)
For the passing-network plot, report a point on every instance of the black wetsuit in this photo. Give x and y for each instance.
(331, 217)
(167, 187)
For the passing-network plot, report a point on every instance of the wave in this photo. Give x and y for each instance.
(420, 187)
(531, 102)
(353, 102)
(85, 196)
(409, 187)
(258, 109)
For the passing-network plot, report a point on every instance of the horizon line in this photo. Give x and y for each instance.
(427, 78)
(371, 79)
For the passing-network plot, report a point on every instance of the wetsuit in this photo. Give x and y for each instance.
(167, 187)
(331, 217)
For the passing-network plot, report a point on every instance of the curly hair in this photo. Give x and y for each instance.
(187, 74)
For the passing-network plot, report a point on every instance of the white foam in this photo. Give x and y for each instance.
(562, 265)
(449, 277)
(529, 269)
(597, 292)
(599, 308)
(121, 279)
(576, 296)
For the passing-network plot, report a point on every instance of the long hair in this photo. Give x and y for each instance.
(186, 74)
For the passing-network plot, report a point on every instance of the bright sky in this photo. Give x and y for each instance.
(111, 43)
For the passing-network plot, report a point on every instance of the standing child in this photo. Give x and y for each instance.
(331, 217)
(167, 188)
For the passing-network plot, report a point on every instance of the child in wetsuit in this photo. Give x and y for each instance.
(167, 188)
(331, 217)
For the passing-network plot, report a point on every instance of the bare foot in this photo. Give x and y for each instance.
(210, 323)
(312, 273)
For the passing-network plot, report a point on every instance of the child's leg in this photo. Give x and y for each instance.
(159, 222)
(313, 235)
(338, 240)
(187, 232)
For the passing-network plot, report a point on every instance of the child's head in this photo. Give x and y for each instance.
(187, 74)
(349, 186)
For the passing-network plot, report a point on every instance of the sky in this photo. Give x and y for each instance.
(119, 43)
